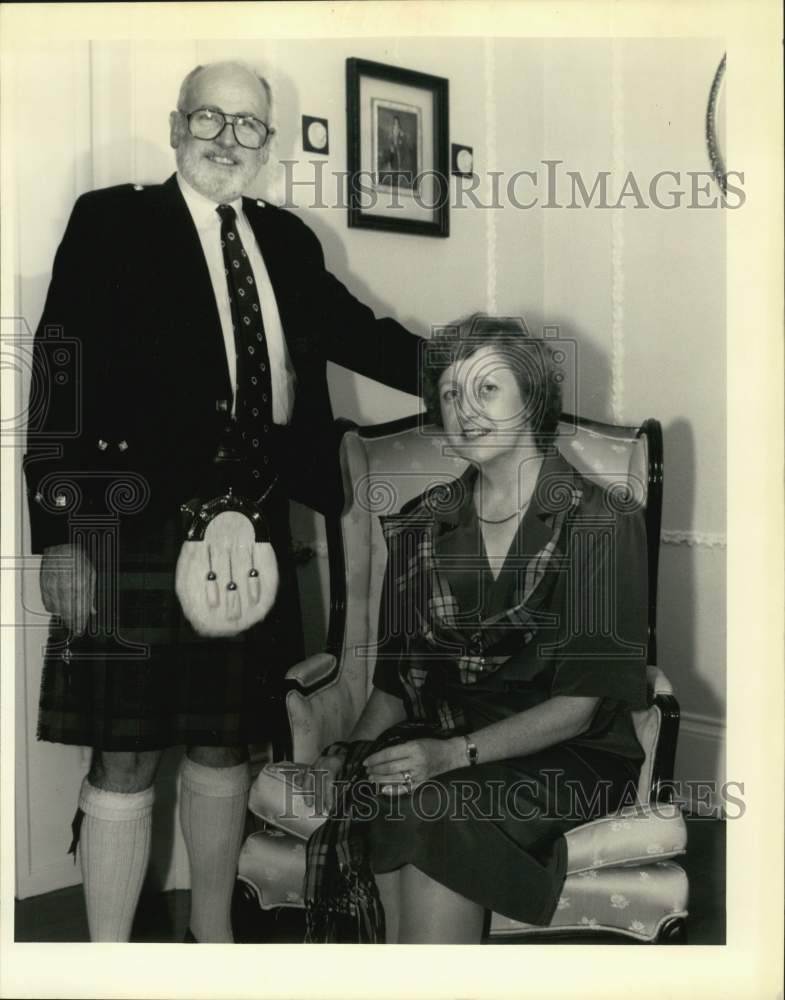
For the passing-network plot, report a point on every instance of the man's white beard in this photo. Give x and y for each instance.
(213, 181)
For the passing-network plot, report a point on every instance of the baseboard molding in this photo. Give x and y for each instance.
(700, 761)
(705, 726)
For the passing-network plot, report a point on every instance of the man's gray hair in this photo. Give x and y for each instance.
(185, 86)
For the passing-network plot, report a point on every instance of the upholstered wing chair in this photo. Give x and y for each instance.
(621, 874)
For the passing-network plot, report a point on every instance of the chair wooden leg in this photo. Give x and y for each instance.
(247, 915)
(253, 925)
(674, 931)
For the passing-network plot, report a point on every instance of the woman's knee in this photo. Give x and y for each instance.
(121, 771)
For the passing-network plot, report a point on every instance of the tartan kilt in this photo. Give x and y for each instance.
(150, 681)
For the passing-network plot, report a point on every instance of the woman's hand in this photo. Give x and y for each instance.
(400, 768)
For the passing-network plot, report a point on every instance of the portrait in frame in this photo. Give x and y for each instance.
(397, 149)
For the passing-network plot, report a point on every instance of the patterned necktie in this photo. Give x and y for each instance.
(254, 408)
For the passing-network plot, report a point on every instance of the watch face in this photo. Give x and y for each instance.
(317, 135)
(464, 161)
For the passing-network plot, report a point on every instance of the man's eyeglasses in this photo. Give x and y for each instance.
(205, 123)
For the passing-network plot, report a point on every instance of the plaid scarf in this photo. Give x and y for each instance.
(342, 902)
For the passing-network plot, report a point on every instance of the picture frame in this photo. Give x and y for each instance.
(397, 149)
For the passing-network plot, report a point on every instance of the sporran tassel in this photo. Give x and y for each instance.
(232, 597)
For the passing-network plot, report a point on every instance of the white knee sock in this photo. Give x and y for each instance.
(114, 849)
(213, 803)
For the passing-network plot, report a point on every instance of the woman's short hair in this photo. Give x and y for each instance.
(530, 359)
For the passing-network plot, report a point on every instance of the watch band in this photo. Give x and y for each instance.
(472, 753)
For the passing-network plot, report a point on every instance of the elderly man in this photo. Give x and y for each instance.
(205, 322)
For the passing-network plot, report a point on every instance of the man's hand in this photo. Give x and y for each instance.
(68, 585)
(403, 766)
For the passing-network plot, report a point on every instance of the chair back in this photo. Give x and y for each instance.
(389, 464)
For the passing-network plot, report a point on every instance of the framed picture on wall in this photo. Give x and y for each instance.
(398, 143)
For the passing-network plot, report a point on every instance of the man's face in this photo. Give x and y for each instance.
(220, 169)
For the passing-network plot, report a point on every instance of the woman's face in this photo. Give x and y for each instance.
(483, 411)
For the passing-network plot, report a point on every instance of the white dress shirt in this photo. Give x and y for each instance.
(208, 226)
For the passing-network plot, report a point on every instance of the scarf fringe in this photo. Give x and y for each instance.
(341, 899)
(355, 917)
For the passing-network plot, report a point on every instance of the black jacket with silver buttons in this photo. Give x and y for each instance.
(129, 360)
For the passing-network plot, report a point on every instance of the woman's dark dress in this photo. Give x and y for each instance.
(496, 832)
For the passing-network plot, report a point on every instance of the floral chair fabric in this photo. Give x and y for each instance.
(620, 877)
(634, 901)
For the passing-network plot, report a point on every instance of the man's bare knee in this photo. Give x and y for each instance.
(218, 756)
(120, 771)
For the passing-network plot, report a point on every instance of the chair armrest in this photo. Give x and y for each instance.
(312, 672)
(658, 682)
(663, 698)
(662, 784)
(318, 706)
(657, 729)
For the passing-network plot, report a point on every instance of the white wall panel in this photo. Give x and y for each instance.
(643, 292)
(52, 86)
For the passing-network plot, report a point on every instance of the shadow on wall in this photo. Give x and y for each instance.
(587, 389)
(286, 115)
(337, 262)
(678, 632)
(164, 819)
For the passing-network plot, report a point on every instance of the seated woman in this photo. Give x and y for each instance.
(512, 647)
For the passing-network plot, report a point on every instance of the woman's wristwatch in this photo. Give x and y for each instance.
(472, 753)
